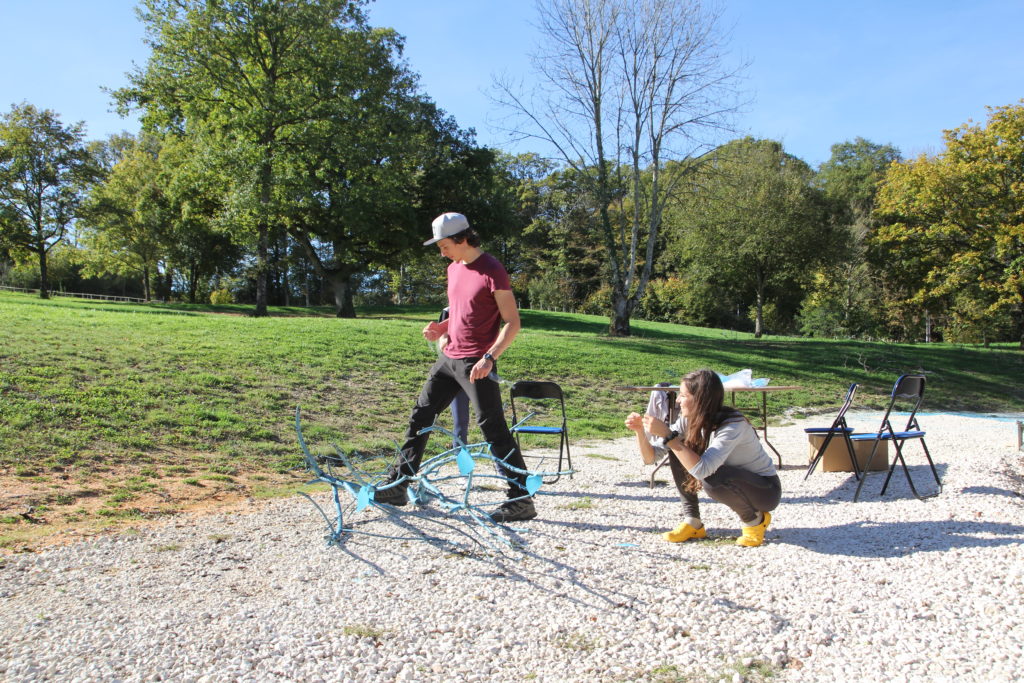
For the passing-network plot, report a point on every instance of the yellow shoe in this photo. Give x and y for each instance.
(684, 532)
(753, 536)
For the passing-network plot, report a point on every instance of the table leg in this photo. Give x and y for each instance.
(764, 424)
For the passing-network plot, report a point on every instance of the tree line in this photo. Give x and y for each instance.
(288, 156)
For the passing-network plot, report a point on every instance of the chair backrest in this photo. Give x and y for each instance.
(908, 392)
(536, 390)
(539, 391)
(841, 417)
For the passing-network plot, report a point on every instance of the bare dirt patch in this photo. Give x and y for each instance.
(58, 508)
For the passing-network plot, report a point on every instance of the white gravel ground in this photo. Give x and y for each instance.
(883, 589)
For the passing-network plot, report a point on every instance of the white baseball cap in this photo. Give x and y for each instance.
(446, 225)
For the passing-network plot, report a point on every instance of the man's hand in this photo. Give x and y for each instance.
(433, 331)
(481, 369)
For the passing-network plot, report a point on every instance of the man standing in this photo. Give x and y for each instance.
(483, 320)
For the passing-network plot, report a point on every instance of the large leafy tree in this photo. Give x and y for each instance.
(847, 298)
(201, 245)
(754, 221)
(249, 77)
(155, 214)
(564, 256)
(44, 168)
(128, 216)
(957, 220)
(367, 183)
(625, 87)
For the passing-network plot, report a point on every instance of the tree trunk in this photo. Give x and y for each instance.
(193, 281)
(338, 277)
(341, 284)
(621, 312)
(284, 282)
(266, 179)
(145, 283)
(44, 276)
(759, 315)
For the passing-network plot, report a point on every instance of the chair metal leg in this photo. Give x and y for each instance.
(867, 468)
(906, 471)
(563, 447)
(821, 453)
(568, 455)
(664, 461)
(898, 445)
(818, 456)
(853, 455)
(931, 464)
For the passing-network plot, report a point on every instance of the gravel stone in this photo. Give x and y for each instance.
(888, 588)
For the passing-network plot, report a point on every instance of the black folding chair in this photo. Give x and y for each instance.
(838, 429)
(543, 397)
(907, 395)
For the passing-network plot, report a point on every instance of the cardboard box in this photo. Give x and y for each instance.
(837, 458)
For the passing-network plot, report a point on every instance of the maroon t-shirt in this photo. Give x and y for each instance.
(473, 317)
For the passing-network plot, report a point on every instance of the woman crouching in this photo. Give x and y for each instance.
(717, 449)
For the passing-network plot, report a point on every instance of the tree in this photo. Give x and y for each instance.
(847, 298)
(625, 87)
(154, 212)
(249, 77)
(128, 215)
(563, 254)
(958, 219)
(384, 166)
(755, 221)
(44, 167)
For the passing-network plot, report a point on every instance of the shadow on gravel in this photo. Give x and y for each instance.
(898, 489)
(899, 539)
(991, 491)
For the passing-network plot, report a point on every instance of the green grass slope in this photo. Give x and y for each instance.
(83, 382)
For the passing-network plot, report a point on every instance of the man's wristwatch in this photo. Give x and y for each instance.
(489, 357)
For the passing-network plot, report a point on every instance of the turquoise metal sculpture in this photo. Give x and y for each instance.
(447, 479)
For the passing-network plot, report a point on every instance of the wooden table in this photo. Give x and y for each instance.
(764, 391)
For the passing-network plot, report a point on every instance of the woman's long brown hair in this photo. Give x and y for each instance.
(707, 413)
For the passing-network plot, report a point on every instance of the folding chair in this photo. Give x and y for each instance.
(545, 394)
(907, 394)
(839, 429)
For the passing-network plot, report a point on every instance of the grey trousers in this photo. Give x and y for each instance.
(744, 492)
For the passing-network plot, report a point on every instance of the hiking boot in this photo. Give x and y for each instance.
(684, 532)
(518, 510)
(395, 495)
(753, 536)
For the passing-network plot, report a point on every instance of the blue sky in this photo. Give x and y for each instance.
(891, 71)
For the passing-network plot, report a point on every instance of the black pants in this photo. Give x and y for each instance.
(744, 492)
(447, 378)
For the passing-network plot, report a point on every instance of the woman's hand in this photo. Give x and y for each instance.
(656, 427)
(635, 422)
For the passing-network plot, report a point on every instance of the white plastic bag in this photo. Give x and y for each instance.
(742, 379)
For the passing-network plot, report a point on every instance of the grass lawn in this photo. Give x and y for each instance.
(120, 412)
